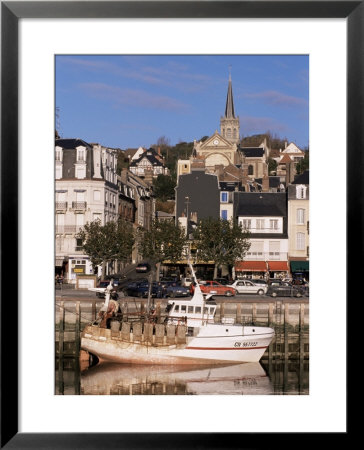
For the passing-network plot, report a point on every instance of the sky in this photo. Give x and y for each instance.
(128, 101)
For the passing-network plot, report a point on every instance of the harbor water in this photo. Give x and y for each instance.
(283, 370)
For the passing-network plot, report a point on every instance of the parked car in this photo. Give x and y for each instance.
(284, 289)
(142, 268)
(248, 287)
(170, 279)
(175, 290)
(140, 289)
(223, 281)
(214, 288)
(259, 282)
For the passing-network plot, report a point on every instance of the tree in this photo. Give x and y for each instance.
(304, 163)
(107, 243)
(272, 165)
(164, 241)
(164, 187)
(221, 241)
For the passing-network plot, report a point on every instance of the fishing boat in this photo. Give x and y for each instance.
(188, 335)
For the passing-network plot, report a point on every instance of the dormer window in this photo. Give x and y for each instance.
(58, 155)
(301, 191)
(81, 155)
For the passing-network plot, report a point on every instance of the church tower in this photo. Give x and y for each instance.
(229, 124)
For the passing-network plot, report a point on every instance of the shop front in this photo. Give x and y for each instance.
(251, 269)
(278, 269)
(78, 265)
(300, 269)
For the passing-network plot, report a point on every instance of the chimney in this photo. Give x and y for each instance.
(265, 183)
(159, 150)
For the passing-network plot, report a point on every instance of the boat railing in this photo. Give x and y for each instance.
(140, 332)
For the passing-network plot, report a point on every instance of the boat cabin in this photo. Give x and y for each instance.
(196, 314)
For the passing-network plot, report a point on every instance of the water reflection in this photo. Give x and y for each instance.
(116, 379)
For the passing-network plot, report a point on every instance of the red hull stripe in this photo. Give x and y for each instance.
(224, 348)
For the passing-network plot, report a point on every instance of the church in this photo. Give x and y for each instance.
(222, 151)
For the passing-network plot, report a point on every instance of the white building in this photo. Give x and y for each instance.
(86, 190)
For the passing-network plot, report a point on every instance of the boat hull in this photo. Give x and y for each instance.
(206, 348)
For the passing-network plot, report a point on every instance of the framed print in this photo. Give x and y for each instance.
(170, 28)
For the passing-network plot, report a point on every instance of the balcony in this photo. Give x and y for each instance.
(68, 229)
(266, 256)
(61, 206)
(79, 206)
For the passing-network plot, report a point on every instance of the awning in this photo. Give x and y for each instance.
(251, 266)
(300, 266)
(279, 266)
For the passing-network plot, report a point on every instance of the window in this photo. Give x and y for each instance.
(250, 170)
(247, 223)
(190, 309)
(273, 224)
(176, 308)
(256, 249)
(78, 245)
(274, 249)
(224, 197)
(260, 223)
(300, 241)
(80, 171)
(58, 155)
(198, 310)
(228, 135)
(224, 214)
(58, 172)
(81, 154)
(301, 191)
(300, 216)
(183, 308)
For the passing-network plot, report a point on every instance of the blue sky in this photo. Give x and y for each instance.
(129, 101)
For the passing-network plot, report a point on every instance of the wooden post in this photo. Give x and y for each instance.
(238, 313)
(270, 314)
(222, 308)
(270, 324)
(286, 321)
(301, 331)
(93, 310)
(60, 348)
(77, 330)
(61, 330)
(254, 313)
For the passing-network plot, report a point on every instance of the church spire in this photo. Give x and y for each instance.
(229, 109)
(229, 123)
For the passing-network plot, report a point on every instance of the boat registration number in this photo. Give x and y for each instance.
(246, 344)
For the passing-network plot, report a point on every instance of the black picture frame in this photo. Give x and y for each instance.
(11, 13)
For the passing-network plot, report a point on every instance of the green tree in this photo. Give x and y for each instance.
(272, 165)
(107, 243)
(164, 241)
(221, 241)
(164, 187)
(304, 163)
